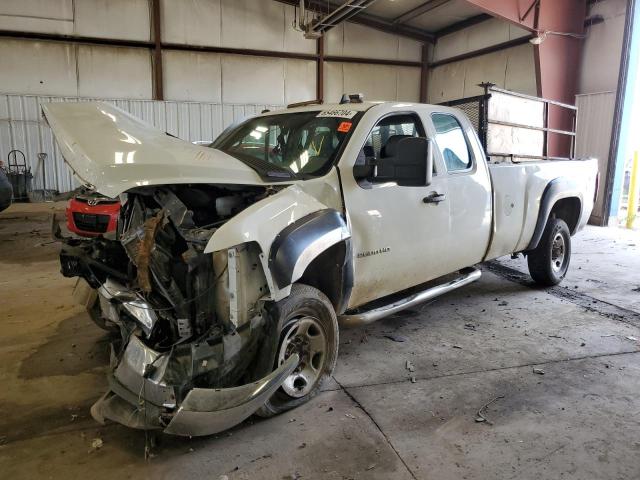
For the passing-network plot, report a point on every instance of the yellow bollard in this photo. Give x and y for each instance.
(632, 205)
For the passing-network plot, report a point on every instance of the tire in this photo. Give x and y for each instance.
(306, 315)
(549, 261)
(95, 313)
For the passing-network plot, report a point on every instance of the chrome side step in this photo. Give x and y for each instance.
(468, 275)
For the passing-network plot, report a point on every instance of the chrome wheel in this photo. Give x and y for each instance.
(558, 250)
(306, 337)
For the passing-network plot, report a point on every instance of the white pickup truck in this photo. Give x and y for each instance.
(234, 264)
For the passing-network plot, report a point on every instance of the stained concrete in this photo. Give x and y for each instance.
(477, 346)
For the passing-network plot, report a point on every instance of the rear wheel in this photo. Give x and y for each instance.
(549, 261)
(310, 329)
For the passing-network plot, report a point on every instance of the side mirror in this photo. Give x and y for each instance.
(412, 164)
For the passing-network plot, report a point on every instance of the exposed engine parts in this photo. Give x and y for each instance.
(186, 319)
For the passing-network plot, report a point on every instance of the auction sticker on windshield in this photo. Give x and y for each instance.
(338, 113)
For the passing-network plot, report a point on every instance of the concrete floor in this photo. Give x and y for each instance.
(477, 346)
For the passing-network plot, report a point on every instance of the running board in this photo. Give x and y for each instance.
(468, 275)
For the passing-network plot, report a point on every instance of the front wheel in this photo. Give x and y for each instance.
(310, 329)
(549, 261)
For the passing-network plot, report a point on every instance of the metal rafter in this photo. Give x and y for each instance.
(368, 20)
(419, 10)
(461, 25)
(341, 14)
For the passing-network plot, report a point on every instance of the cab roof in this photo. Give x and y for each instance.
(358, 107)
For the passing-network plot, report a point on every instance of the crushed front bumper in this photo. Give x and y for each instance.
(138, 398)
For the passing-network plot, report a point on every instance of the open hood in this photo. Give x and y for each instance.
(112, 151)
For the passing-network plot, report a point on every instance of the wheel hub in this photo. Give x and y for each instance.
(558, 250)
(305, 337)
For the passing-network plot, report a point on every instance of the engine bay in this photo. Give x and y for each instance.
(182, 318)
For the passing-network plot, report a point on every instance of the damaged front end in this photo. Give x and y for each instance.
(195, 350)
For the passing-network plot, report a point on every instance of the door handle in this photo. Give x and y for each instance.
(434, 197)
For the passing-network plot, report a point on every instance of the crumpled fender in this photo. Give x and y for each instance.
(277, 216)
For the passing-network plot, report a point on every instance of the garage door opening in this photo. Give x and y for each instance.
(625, 191)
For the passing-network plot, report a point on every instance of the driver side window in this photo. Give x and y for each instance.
(382, 143)
(388, 132)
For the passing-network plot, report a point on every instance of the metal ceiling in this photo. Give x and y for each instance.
(419, 19)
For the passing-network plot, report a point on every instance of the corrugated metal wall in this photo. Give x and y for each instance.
(22, 127)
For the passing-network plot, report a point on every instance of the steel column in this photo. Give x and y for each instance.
(158, 81)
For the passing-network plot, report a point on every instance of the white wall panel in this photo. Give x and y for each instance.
(191, 22)
(487, 68)
(521, 70)
(446, 82)
(409, 50)
(333, 82)
(476, 37)
(353, 40)
(192, 76)
(253, 25)
(513, 69)
(408, 84)
(602, 48)
(122, 19)
(376, 82)
(360, 41)
(114, 72)
(299, 81)
(47, 16)
(248, 79)
(37, 67)
(22, 127)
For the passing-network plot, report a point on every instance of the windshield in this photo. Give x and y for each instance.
(290, 144)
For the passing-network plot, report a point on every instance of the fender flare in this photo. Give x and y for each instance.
(557, 189)
(300, 242)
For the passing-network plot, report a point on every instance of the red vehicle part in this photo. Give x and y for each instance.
(90, 216)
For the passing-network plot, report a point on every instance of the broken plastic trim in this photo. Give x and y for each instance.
(206, 411)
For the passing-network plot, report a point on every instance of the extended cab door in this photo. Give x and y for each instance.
(467, 176)
(400, 234)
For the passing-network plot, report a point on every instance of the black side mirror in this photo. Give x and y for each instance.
(412, 164)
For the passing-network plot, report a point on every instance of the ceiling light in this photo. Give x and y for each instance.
(538, 39)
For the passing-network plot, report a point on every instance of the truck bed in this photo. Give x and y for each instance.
(517, 192)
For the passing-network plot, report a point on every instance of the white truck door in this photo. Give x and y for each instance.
(400, 234)
(469, 185)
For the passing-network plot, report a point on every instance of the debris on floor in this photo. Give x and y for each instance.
(409, 366)
(480, 417)
(396, 337)
(538, 371)
(97, 443)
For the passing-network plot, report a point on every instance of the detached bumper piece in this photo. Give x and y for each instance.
(139, 398)
(207, 411)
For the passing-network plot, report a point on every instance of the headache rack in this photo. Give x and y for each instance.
(514, 127)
